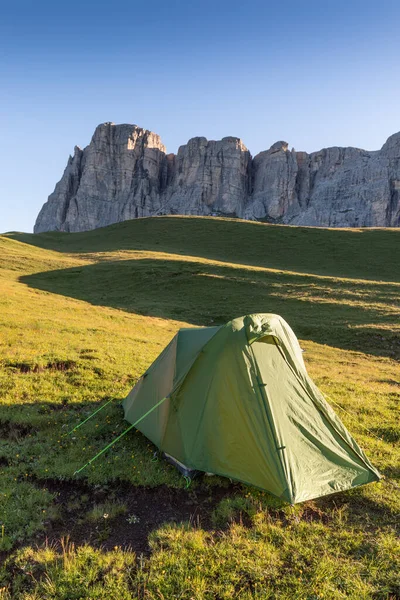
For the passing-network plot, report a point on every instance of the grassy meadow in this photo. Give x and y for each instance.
(83, 315)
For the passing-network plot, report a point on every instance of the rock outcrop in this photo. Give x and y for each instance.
(126, 173)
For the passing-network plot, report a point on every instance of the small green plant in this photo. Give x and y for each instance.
(232, 509)
(107, 510)
(5, 541)
(133, 519)
(74, 505)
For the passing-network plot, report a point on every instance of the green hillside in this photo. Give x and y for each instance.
(356, 253)
(83, 315)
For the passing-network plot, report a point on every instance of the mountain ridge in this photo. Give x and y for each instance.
(125, 172)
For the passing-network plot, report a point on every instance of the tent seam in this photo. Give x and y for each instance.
(327, 416)
(271, 422)
(179, 384)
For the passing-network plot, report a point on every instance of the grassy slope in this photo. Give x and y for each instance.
(82, 315)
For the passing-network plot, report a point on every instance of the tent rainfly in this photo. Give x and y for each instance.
(237, 401)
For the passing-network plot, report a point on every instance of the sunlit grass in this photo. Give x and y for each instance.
(83, 316)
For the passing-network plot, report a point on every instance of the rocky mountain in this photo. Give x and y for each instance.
(126, 173)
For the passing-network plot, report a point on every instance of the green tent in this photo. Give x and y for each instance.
(237, 401)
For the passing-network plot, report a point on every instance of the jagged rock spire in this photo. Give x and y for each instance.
(125, 173)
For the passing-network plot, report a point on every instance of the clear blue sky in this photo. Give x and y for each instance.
(315, 74)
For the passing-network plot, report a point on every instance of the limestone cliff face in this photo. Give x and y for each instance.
(274, 184)
(209, 177)
(119, 176)
(125, 173)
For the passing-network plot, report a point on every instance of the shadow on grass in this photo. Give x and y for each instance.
(362, 253)
(37, 458)
(355, 315)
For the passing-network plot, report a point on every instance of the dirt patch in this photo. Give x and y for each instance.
(25, 367)
(14, 431)
(54, 365)
(88, 356)
(313, 513)
(61, 365)
(146, 510)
